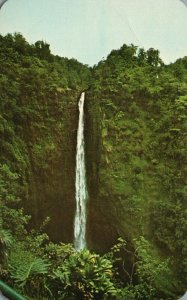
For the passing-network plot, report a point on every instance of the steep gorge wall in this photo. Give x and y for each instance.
(119, 182)
(52, 156)
(101, 234)
(39, 146)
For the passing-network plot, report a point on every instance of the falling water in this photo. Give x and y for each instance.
(80, 183)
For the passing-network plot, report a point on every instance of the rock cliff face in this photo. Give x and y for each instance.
(52, 176)
(101, 233)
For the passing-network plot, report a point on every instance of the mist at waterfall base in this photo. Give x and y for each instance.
(81, 193)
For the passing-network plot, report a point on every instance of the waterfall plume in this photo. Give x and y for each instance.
(81, 193)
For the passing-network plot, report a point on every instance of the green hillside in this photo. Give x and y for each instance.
(135, 142)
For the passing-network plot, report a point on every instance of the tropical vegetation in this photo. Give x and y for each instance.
(135, 136)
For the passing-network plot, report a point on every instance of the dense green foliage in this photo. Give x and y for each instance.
(136, 165)
(142, 160)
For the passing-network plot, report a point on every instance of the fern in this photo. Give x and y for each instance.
(6, 238)
(28, 269)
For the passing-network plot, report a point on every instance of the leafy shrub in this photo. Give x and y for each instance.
(84, 275)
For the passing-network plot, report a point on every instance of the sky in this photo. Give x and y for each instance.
(88, 30)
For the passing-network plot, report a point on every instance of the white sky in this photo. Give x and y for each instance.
(89, 29)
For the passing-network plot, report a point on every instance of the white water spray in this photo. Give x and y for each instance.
(81, 193)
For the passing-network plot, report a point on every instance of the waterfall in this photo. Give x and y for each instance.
(81, 193)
